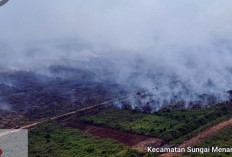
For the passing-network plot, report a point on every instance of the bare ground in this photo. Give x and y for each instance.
(134, 141)
(203, 136)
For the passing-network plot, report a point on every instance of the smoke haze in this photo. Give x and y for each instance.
(143, 43)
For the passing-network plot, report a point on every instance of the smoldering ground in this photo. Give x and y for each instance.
(144, 44)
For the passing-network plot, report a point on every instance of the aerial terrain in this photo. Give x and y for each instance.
(117, 78)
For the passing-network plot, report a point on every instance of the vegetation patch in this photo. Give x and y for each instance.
(52, 140)
(171, 125)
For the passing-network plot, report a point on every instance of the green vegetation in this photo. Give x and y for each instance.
(222, 140)
(201, 128)
(129, 121)
(171, 125)
(54, 140)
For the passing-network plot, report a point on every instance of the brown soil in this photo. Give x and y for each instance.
(203, 136)
(148, 142)
(135, 141)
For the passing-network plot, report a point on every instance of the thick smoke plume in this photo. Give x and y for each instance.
(145, 44)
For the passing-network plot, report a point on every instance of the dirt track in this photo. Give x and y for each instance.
(203, 136)
(135, 141)
(76, 111)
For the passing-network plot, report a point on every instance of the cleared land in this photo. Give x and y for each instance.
(222, 140)
(135, 141)
(203, 136)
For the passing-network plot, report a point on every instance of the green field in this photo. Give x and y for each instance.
(222, 140)
(54, 140)
(171, 125)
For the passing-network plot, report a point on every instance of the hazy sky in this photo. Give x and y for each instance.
(188, 38)
(125, 24)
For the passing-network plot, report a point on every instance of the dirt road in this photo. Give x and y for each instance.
(76, 111)
(203, 136)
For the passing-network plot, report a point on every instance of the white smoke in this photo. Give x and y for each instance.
(139, 42)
